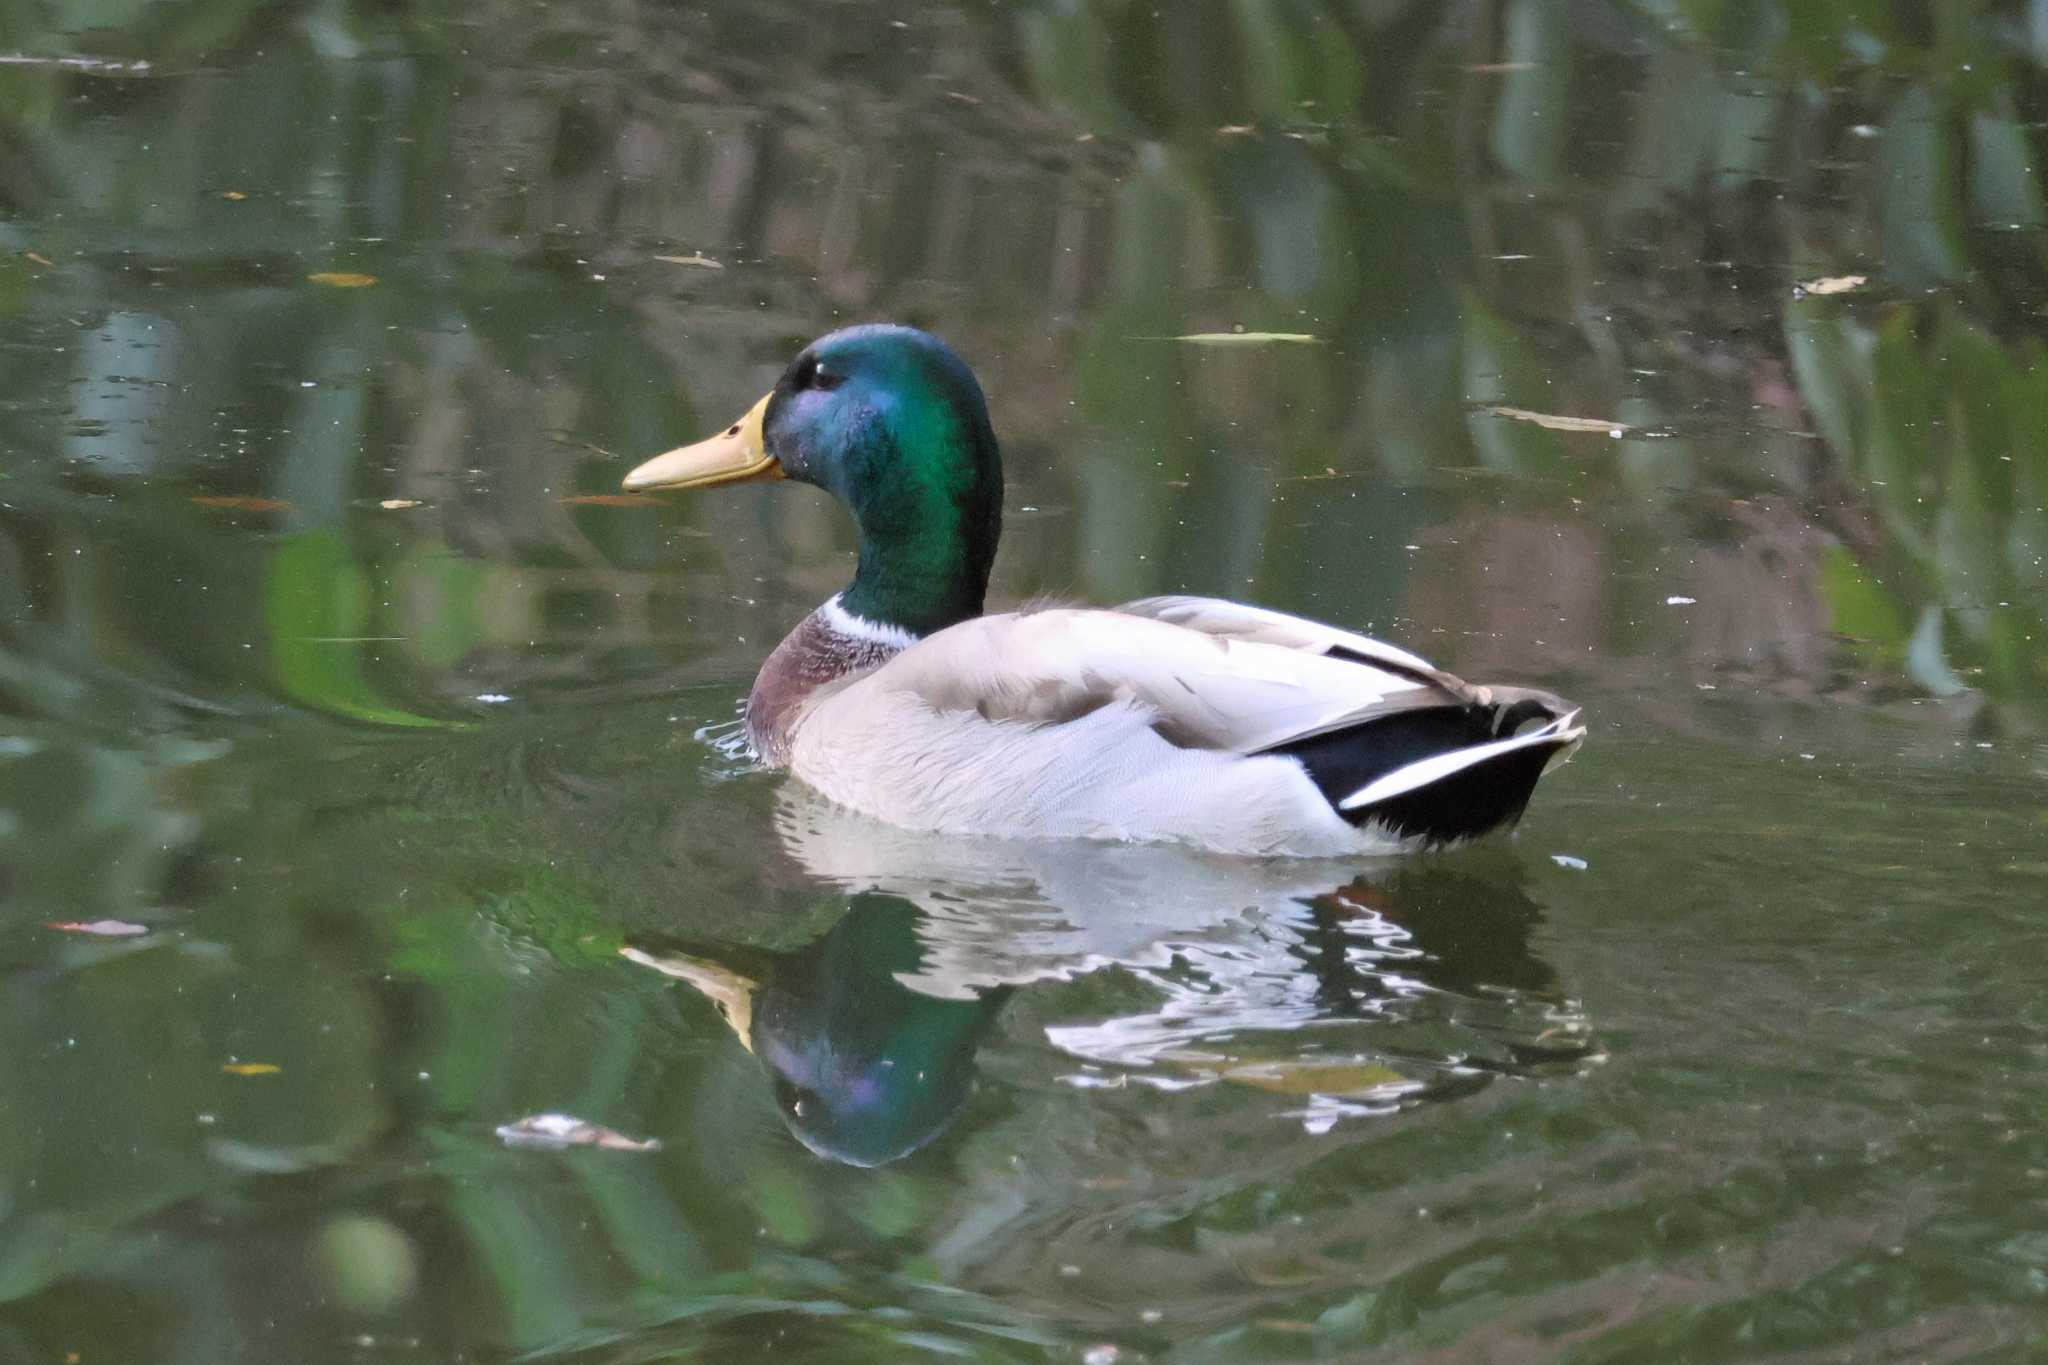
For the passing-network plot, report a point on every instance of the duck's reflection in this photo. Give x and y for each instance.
(864, 1068)
(1349, 991)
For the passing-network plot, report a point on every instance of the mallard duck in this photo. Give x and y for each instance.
(1231, 727)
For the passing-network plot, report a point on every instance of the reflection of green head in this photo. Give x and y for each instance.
(866, 1070)
(889, 421)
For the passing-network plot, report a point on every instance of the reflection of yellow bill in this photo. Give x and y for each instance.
(732, 993)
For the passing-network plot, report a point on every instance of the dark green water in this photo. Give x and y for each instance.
(316, 319)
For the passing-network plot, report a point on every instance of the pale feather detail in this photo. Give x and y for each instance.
(1261, 625)
(1205, 690)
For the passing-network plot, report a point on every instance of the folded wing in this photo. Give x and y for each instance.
(1206, 690)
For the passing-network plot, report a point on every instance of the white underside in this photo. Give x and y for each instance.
(1106, 775)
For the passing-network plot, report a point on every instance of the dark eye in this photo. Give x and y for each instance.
(811, 373)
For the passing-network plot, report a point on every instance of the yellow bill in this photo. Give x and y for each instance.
(734, 455)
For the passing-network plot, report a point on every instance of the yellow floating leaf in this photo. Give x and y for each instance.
(1247, 339)
(1832, 284)
(565, 1130)
(1299, 1326)
(235, 195)
(98, 928)
(1316, 1076)
(1279, 1270)
(701, 261)
(251, 1068)
(400, 504)
(243, 504)
(342, 279)
(1554, 422)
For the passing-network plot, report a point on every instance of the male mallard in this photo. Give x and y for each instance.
(1230, 727)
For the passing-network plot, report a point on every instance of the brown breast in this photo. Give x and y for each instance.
(808, 658)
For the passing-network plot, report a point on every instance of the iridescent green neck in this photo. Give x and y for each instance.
(925, 484)
(924, 576)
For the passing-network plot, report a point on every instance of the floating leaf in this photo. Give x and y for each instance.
(1316, 1076)
(94, 65)
(99, 928)
(261, 1160)
(251, 1068)
(39, 258)
(1832, 284)
(610, 500)
(235, 195)
(342, 279)
(400, 504)
(243, 504)
(1553, 422)
(561, 1130)
(1244, 338)
(699, 260)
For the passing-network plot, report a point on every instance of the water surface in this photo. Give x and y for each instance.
(329, 661)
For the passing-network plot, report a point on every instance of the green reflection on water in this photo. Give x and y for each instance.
(313, 666)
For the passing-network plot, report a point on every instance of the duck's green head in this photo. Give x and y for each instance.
(889, 421)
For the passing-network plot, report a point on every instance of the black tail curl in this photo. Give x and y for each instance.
(1484, 796)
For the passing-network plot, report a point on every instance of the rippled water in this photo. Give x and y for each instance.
(401, 752)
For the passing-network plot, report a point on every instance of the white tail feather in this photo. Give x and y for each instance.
(1424, 771)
